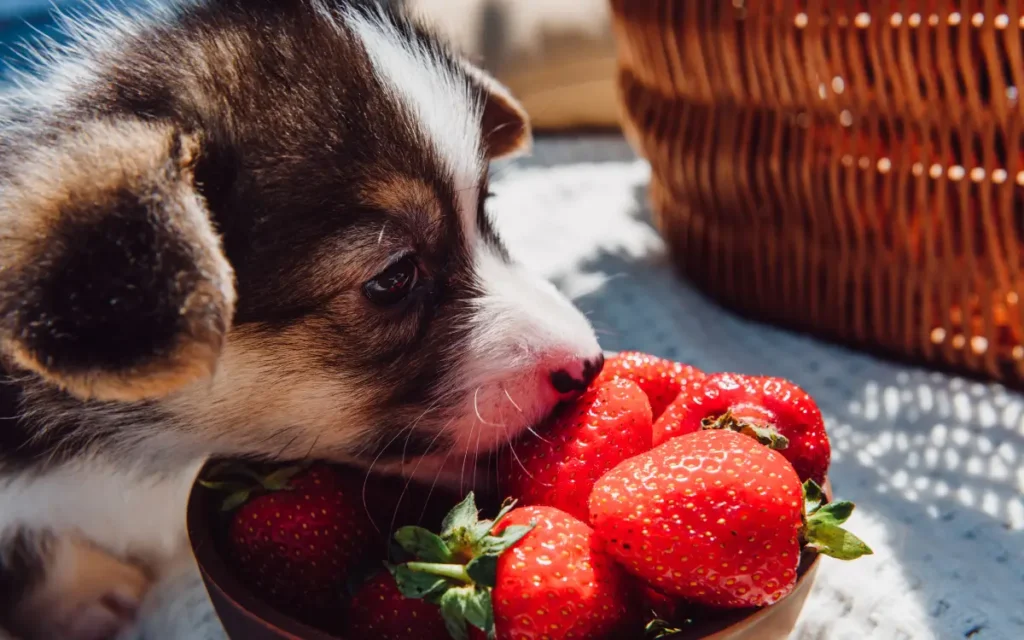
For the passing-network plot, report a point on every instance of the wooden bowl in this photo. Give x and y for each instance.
(247, 617)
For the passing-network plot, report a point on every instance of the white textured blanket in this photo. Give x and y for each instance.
(935, 464)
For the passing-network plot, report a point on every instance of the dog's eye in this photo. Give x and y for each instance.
(393, 284)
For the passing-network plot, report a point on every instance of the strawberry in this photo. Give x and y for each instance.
(532, 572)
(379, 610)
(775, 411)
(656, 604)
(610, 422)
(554, 583)
(665, 615)
(660, 379)
(296, 535)
(716, 518)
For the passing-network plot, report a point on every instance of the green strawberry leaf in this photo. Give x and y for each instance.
(453, 611)
(396, 554)
(496, 545)
(423, 544)
(813, 496)
(463, 606)
(483, 570)
(484, 527)
(478, 610)
(836, 542)
(658, 628)
(228, 467)
(278, 480)
(226, 486)
(416, 584)
(506, 506)
(479, 532)
(235, 500)
(463, 516)
(833, 513)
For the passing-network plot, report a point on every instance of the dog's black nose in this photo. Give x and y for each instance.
(578, 376)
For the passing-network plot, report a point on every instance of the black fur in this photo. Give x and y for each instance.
(94, 296)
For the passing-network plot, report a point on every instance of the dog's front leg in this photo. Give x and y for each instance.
(58, 587)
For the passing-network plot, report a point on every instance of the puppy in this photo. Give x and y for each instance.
(248, 228)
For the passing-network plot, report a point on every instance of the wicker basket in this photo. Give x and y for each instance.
(849, 168)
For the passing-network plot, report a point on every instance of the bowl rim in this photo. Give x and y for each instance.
(727, 626)
(217, 575)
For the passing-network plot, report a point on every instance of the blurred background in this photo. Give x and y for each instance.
(20, 22)
(557, 56)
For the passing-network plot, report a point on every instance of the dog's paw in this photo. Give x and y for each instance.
(86, 594)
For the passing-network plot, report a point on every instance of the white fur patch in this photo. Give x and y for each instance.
(125, 513)
(523, 330)
(442, 103)
(523, 318)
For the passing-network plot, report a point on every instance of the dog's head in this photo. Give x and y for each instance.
(263, 225)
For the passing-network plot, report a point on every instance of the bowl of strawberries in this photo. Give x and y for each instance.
(662, 503)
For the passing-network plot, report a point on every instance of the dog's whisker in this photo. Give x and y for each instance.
(507, 395)
(409, 479)
(405, 430)
(465, 458)
(476, 459)
(437, 475)
(512, 448)
(476, 408)
(369, 472)
(537, 435)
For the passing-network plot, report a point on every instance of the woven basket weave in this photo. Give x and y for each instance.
(849, 168)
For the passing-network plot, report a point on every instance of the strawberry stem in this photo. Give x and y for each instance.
(455, 572)
(766, 435)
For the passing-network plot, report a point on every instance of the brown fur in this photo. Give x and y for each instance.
(79, 183)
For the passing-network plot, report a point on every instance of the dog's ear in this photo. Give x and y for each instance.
(506, 125)
(113, 283)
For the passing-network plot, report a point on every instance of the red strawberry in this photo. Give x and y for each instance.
(554, 583)
(296, 541)
(776, 411)
(716, 518)
(379, 610)
(660, 379)
(656, 604)
(531, 573)
(607, 424)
